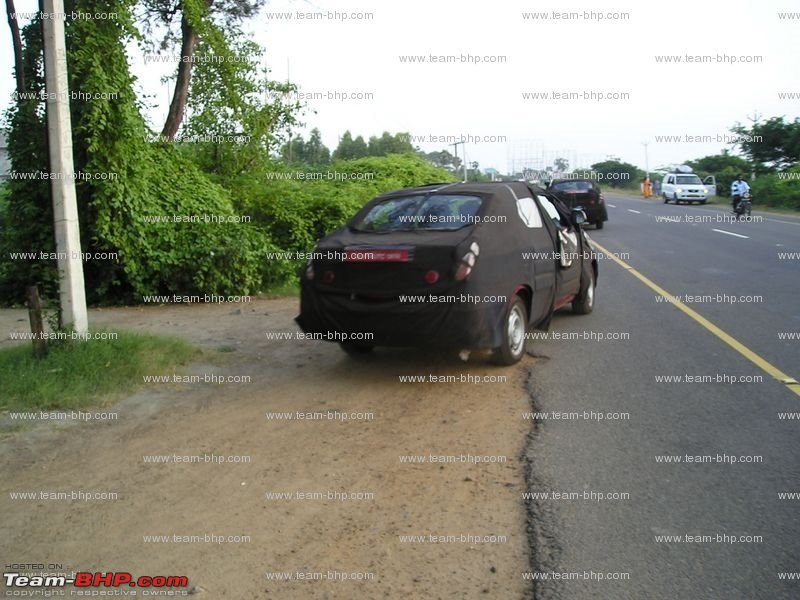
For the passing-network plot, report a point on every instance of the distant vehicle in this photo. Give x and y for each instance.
(469, 266)
(682, 185)
(582, 193)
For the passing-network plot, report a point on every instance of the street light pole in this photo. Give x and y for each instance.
(72, 294)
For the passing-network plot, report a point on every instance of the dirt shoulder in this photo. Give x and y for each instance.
(366, 420)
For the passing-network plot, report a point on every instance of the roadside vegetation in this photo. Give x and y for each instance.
(78, 374)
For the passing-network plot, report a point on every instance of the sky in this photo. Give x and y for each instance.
(616, 98)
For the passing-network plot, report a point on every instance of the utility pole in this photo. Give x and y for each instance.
(455, 146)
(72, 295)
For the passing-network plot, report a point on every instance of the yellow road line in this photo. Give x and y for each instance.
(774, 372)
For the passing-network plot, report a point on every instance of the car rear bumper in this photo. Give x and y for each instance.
(458, 324)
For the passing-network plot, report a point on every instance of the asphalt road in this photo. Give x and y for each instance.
(609, 546)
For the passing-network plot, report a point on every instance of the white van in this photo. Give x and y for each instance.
(682, 185)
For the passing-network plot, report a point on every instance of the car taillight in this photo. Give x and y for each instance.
(467, 262)
(431, 277)
(327, 277)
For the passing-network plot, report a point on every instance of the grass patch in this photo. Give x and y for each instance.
(287, 290)
(80, 374)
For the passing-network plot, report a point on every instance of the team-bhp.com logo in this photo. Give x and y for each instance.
(85, 579)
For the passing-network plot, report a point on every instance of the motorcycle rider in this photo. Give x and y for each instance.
(739, 188)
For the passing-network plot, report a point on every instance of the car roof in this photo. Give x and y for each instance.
(519, 189)
(570, 179)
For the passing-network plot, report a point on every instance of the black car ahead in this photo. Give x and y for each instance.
(465, 266)
(581, 193)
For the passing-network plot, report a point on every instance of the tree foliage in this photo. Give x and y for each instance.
(773, 145)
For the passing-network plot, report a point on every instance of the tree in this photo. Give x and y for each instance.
(390, 144)
(199, 19)
(235, 110)
(771, 145)
(316, 152)
(16, 41)
(349, 148)
(561, 165)
(312, 152)
(616, 173)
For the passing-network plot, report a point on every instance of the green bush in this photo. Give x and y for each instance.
(292, 214)
(778, 190)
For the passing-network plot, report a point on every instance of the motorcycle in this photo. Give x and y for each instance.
(744, 207)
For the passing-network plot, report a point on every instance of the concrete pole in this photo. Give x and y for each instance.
(65, 207)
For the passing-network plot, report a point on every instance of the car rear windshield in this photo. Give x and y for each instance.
(688, 180)
(573, 186)
(432, 212)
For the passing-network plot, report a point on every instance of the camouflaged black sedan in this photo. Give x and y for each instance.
(467, 266)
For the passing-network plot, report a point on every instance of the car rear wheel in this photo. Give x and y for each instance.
(599, 225)
(356, 349)
(515, 325)
(583, 303)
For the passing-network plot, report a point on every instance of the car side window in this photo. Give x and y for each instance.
(551, 210)
(529, 213)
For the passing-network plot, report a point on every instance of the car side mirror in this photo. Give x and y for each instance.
(578, 216)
